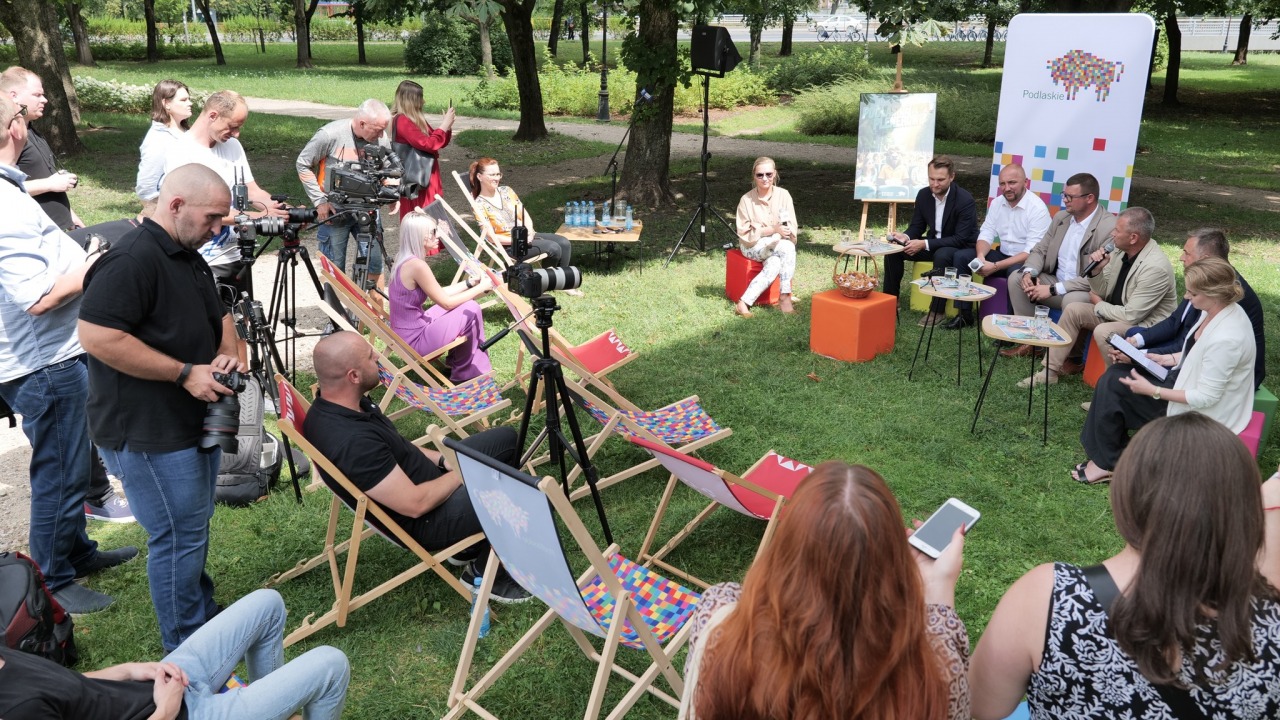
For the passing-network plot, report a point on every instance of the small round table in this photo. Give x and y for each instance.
(1017, 329)
(934, 287)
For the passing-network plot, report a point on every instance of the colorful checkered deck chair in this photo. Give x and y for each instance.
(760, 493)
(369, 518)
(683, 424)
(457, 407)
(375, 321)
(626, 604)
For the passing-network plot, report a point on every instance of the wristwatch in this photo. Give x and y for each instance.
(1053, 290)
(1156, 394)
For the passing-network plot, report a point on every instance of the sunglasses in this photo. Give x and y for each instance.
(764, 175)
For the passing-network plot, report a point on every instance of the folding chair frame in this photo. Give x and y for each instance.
(343, 578)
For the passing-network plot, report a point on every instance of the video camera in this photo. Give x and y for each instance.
(523, 280)
(362, 183)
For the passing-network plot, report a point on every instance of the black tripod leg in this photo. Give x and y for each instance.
(584, 460)
(697, 215)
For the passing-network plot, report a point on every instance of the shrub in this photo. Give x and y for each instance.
(112, 96)
(829, 63)
(137, 50)
(967, 114)
(741, 86)
(449, 45)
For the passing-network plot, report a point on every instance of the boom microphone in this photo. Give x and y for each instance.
(1109, 248)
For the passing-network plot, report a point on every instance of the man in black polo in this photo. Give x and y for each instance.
(46, 182)
(411, 483)
(156, 332)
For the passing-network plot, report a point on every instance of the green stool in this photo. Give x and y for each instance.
(1265, 402)
(920, 301)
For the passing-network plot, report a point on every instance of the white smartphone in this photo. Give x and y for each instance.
(934, 535)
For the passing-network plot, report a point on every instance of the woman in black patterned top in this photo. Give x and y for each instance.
(1195, 628)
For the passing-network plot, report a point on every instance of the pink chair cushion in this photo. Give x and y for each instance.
(1252, 434)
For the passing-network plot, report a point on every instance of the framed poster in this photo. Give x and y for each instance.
(895, 143)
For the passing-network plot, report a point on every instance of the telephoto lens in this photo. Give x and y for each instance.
(222, 417)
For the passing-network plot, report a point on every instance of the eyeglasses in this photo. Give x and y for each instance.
(22, 113)
(1068, 197)
(493, 175)
(764, 175)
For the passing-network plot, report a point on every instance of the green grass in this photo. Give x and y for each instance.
(753, 376)
(556, 148)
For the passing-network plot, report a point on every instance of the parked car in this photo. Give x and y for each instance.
(840, 23)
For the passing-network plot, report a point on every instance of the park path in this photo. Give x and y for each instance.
(686, 145)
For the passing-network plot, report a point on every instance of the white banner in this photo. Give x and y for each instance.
(1071, 101)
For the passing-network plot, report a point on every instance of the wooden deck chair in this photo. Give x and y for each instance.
(457, 407)
(759, 493)
(378, 326)
(487, 245)
(626, 604)
(683, 424)
(370, 518)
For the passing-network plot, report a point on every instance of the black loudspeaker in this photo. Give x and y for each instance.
(712, 50)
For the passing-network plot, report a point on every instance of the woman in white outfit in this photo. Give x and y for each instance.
(170, 111)
(767, 234)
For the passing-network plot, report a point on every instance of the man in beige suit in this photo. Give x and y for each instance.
(1051, 273)
(1132, 285)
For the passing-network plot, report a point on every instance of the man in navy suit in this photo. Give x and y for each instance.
(927, 238)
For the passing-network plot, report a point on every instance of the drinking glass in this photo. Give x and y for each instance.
(1042, 321)
(951, 276)
(964, 282)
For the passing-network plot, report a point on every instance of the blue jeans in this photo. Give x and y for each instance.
(171, 495)
(253, 629)
(333, 238)
(51, 402)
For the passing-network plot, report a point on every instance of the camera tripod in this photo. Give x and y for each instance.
(547, 370)
(368, 232)
(704, 208)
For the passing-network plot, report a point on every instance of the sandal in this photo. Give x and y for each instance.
(1080, 474)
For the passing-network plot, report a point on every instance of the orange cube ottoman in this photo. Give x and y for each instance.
(852, 330)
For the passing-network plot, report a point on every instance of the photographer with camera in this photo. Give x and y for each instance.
(342, 141)
(157, 332)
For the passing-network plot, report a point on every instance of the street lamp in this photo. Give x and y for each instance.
(602, 113)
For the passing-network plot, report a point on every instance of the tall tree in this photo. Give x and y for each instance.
(557, 16)
(302, 14)
(584, 29)
(212, 26)
(1242, 39)
(651, 51)
(153, 33)
(37, 37)
(480, 13)
(517, 17)
(79, 34)
(1173, 65)
(910, 22)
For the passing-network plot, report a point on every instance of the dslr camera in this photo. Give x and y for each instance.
(525, 281)
(222, 416)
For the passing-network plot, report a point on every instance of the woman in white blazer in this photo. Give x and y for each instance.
(1212, 375)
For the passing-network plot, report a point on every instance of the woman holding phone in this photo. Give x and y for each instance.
(766, 221)
(837, 618)
(1194, 627)
(410, 126)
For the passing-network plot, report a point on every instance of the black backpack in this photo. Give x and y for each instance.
(32, 620)
(247, 475)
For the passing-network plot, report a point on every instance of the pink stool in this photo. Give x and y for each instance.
(739, 271)
(1252, 434)
(997, 304)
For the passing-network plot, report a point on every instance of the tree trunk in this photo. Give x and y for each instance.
(153, 35)
(302, 33)
(646, 168)
(584, 32)
(220, 59)
(989, 52)
(37, 37)
(518, 19)
(835, 5)
(80, 34)
(1174, 62)
(1242, 40)
(486, 48)
(788, 26)
(753, 57)
(557, 16)
(357, 12)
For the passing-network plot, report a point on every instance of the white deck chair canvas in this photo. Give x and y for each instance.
(626, 604)
(759, 493)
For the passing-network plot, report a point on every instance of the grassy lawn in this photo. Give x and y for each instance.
(754, 376)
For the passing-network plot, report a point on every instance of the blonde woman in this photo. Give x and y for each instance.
(410, 126)
(767, 234)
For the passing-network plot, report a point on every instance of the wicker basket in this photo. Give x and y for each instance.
(856, 285)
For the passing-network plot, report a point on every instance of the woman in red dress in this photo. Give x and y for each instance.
(410, 127)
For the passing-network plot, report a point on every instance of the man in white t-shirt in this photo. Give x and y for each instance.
(212, 141)
(1018, 219)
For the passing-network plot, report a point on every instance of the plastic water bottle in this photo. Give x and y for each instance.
(605, 218)
(591, 214)
(572, 218)
(579, 211)
(568, 213)
(475, 595)
(630, 219)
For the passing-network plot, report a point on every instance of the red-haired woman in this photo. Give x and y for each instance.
(838, 618)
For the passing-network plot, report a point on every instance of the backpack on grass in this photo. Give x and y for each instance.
(32, 620)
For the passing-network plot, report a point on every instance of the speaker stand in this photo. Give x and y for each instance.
(704, 208)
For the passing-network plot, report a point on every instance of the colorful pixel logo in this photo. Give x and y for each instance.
(1078, 70)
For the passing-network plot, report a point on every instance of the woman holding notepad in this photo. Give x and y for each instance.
(1212, 375)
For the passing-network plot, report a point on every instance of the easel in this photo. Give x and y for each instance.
(893, 215)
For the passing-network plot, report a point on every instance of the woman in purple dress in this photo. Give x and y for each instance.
(454, 312)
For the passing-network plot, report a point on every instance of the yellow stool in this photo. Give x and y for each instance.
(920, 301)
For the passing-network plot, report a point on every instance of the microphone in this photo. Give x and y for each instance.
(1109, 248)
(645, 96)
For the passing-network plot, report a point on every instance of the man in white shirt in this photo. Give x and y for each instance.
(1018, 220)
(213, 142)
(1051, 274)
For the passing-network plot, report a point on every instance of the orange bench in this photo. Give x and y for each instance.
(852, 330)
(739, 271)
